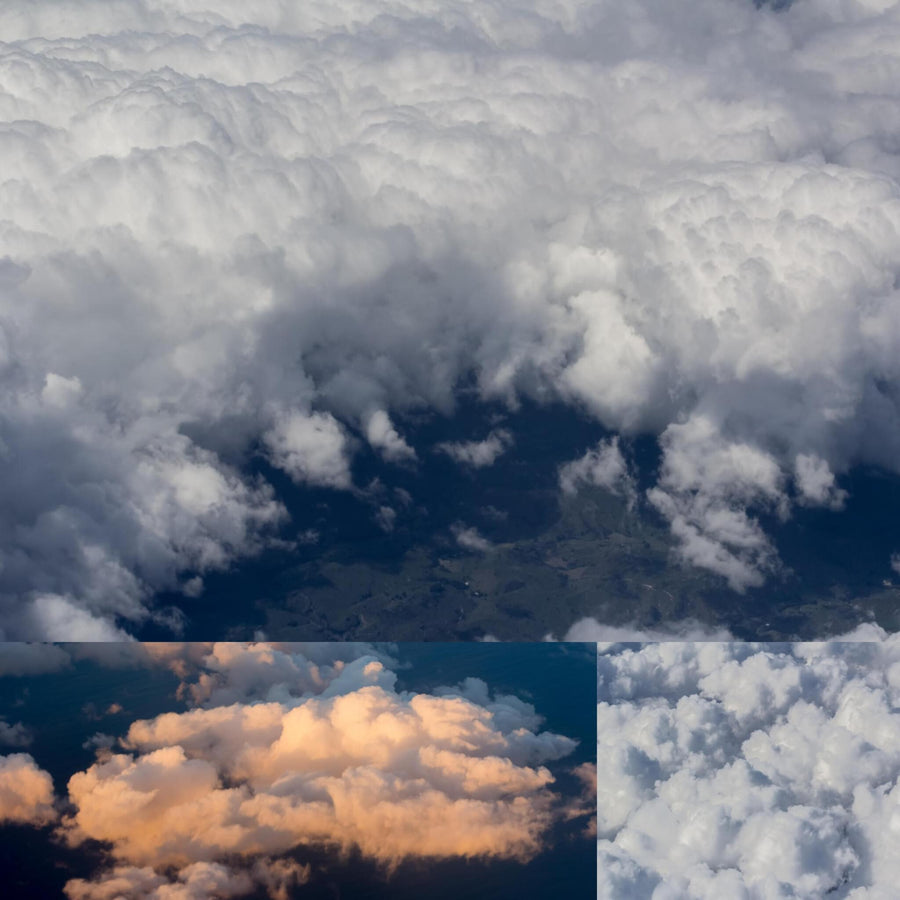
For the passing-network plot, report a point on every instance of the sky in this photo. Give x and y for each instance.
(295, 770)
(741, 771)
(247, 244)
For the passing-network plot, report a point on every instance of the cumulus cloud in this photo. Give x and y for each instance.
(311, 449)
(470, 538)
(382, 435)
(220, 240)
(26, 791)
(478, 454)
(604, 467)
(286, 746)
(742, 770)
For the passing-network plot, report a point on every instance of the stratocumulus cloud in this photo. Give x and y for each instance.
(252, 228)
(285, 747)
(742, 770)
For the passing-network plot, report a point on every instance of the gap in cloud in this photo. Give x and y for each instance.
(551, 559)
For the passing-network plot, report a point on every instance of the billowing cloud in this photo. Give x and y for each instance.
(26, 791)
(311, 449)
(742, 770)
(288, 746)
(242, 229)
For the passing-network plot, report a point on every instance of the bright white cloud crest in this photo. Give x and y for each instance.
(749, 771)
(271, 226)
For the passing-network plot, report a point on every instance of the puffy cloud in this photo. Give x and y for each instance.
(311, 449)
(742, 770)
(478, 454)
(15, 734)
(382, 435)
(26, 791)
(310, 745)
(604, 467)
(469, 538)
(220, 240)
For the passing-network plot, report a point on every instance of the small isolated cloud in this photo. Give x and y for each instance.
(312, 449)
(816, 483)
(382, 435)
(386, 518)
(26, 791)
(478, 454)
(15, 734)
(749, 770)
(895, 562)
(604, 466)
(469, 538)
(289, 750)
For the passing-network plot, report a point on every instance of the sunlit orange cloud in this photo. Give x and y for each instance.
(26, 791)
(395, 775)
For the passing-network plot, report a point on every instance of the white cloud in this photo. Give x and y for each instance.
(748, 770)
(384, 437)
(478, 454)
(310, 448)
(469, 538)
(604, 467)
(219, 238)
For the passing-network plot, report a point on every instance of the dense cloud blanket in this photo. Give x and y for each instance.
(271, 230)
(749, 772)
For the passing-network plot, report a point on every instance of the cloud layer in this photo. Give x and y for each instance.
(242, 229)
(748, 771)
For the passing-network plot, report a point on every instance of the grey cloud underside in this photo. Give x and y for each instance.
(258, 228)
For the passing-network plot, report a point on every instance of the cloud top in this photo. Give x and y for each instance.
(283, 750)
(746, 770)
(222, 243)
